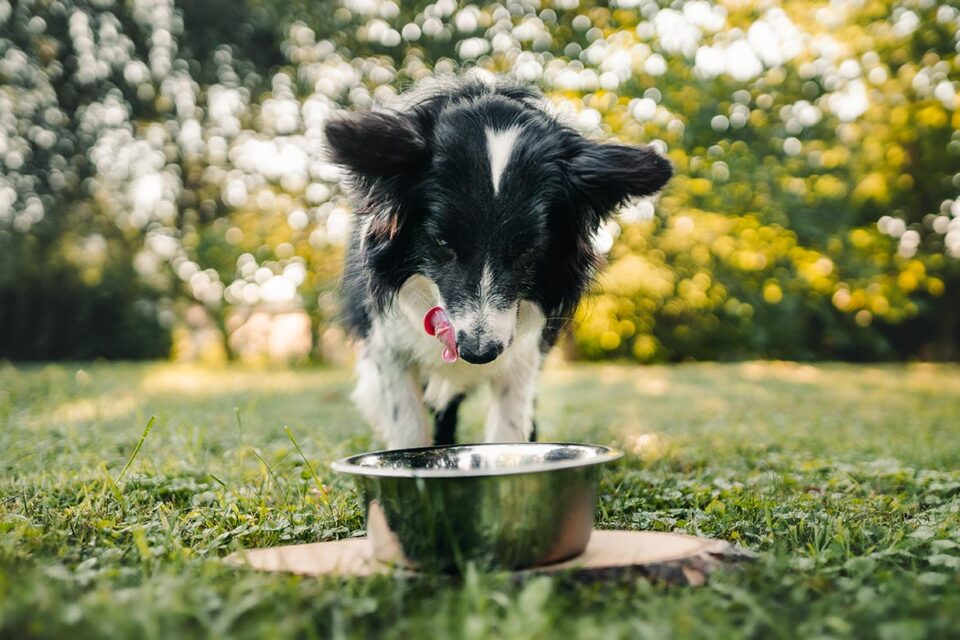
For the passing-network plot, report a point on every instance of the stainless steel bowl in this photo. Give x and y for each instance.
(498, 505)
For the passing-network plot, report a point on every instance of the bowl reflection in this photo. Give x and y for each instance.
(497, 505)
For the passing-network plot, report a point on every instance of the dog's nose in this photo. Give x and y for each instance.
(472, 351)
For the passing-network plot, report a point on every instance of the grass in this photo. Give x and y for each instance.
(846, 480)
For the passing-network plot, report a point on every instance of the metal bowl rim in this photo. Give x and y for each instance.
(348, 464)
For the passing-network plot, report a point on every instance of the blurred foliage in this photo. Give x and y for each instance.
(161, 156)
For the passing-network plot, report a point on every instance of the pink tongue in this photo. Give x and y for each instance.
(436, 323)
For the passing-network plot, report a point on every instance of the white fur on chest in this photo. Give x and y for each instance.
(398, 360)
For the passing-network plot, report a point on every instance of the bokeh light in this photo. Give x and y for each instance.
(171, 155)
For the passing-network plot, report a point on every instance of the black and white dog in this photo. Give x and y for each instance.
(477, 200)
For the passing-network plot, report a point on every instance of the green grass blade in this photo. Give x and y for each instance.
(218, 480)
(114, 488)
(324, 494)
(236, 414)
(136, 450)
(276, 481)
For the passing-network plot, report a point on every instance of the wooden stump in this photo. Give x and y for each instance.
(672, 558)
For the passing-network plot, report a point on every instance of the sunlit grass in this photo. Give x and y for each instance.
(845, 478)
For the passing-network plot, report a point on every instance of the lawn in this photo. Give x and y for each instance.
(845, 479)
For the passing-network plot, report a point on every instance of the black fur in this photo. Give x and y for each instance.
(376, 144)
(422, 176)
(425, 204)
(445, 422)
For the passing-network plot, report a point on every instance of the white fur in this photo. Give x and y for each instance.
(490, 320)
(397, 357)
(486, 285)
(388, 396)
(365, 231)
(500, 147)
(510, 417)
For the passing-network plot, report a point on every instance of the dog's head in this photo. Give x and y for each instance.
(494, 200)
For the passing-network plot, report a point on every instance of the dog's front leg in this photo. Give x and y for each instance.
(510, 418)
(389, 397)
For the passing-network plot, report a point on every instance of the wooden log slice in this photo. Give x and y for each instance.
(672, 558)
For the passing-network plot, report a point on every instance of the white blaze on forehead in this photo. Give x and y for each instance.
(486, 284)
(499, 322)
(500, 146)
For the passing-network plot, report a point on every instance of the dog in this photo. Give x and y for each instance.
(476, 199)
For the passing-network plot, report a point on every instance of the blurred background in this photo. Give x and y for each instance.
(164, 191)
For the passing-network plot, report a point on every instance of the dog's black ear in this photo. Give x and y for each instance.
(376, 144)
(603, 176)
